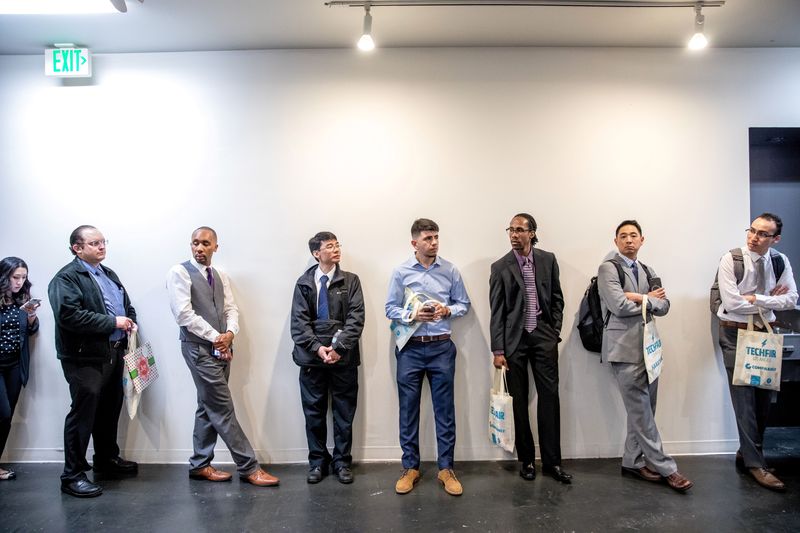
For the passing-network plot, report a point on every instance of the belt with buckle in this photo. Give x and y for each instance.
(431, 338)
(742, 325)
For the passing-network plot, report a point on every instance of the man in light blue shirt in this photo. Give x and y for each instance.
(428, 352)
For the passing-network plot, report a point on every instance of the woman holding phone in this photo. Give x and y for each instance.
(17, 322)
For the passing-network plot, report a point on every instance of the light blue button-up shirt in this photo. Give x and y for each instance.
(112, 296)
(441, 281)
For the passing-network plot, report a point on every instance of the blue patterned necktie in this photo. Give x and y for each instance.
(322, 305)
(635, 270)
(210, 277)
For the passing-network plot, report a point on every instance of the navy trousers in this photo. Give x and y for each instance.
(437, 361)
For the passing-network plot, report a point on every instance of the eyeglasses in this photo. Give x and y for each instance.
(518, 231)
(759, 234)
(95, 244)
(332, 246)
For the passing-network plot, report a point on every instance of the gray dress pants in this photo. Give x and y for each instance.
(215, 414)
(643, 445)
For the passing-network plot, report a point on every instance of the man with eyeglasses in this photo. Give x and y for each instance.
(202, 303)
(93, 315)
(527, 309)
(750, 278)
(327, 321)
(429, 352)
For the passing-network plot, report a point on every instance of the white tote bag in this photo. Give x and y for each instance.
(501, 412)
(759, 357)
(651, 345)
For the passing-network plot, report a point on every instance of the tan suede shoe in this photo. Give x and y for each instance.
(408, 479)
(450, 483)
(260, 478)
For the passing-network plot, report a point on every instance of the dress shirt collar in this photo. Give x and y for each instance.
(414, 263)
(627, 260)
(96, 270)
(521, 258)
(198, 266)
(754, 256)
(318, 273)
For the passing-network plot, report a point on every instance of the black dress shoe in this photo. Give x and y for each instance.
(117, 465)
(315, 474)
(528, 471)
(345, 475)
(81, 488)
(557, 473)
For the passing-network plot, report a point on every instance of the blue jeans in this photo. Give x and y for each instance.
(437, 360)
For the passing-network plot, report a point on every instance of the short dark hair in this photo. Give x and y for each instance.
(423, 224)
(773, 218)
(207, 229)
(315, 242)
(531, 224)
(7, 268)
(77, 235)
(628, 223)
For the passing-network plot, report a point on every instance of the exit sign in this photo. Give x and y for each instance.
(68, 62)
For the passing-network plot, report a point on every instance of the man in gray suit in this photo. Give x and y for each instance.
(621, 283)
(202, 302)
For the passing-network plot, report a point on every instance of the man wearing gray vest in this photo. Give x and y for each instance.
(202, 302)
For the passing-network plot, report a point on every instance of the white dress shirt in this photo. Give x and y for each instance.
(733, 300)
(179, 286)
(318, 273)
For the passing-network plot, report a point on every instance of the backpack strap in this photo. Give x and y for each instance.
(778, 264)
(738, 264)
(621, 274)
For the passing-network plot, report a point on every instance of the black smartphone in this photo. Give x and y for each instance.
(655, 283)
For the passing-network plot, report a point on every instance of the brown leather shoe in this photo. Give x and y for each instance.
(209, 473)
(408, 479)
(764, 478)
(450, 483)
(741, 468)
(260, 478)
(679, 482)
(642, 473)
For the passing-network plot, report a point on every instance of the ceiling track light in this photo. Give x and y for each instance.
(506, 3)
(365, 43)
(698, 40)
(121, 6)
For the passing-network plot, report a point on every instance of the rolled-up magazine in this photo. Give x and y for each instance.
(405, 328)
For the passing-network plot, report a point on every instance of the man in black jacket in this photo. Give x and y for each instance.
(327, 320)
(93, 315)
(527, 309)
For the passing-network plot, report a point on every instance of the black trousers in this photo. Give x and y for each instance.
(539, 349)
(10, 387)
(96, 392)
(317, 385)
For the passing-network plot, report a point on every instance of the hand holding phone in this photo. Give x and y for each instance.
(31, 305)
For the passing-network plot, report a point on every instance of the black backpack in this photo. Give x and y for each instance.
(778, 266)
(591, 321)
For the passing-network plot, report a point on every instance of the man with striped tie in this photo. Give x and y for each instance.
(527, 309)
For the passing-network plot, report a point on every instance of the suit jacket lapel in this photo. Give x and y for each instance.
(513, 266)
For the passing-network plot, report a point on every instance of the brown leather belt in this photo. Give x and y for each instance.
(742, 325)
(431, 338)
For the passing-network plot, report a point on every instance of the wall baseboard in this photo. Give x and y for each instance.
(375, 454)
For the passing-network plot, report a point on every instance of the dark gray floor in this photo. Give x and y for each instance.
(162, 498)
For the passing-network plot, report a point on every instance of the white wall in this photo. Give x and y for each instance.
(270, 147)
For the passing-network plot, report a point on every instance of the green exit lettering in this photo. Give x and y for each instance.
(68, 60)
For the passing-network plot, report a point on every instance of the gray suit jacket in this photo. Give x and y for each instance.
(622, 338)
